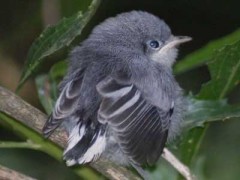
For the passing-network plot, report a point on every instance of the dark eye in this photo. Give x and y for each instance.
(154, 44)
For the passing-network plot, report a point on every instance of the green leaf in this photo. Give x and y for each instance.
(225, 72)
(200, 112)
(189, 145)
(54, 38)
(224, 68)
(205, 54)
(58, 70)
(47, 85)
(46, 92)
(55, 75)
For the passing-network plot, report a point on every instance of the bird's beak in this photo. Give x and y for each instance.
(175, 41)
(168, 53)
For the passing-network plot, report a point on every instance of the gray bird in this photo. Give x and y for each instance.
(119, 98)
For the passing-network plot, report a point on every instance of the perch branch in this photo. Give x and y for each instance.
(9, 174)
(15, 107)
(181, 168)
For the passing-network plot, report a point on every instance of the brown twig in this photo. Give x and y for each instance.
(9, 174)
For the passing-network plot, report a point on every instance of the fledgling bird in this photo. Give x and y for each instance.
(119, 98)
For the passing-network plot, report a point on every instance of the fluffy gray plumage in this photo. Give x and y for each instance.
(119, 98)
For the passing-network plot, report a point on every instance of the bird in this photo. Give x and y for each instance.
(119, 98)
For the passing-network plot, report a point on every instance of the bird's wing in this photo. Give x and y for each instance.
(65, 104)
(141, 128)
(86, 139)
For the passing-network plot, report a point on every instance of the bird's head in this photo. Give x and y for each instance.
(138, 33)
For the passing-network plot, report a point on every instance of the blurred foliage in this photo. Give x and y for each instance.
(203, 143)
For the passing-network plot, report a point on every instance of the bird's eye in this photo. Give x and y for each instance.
(154, 44)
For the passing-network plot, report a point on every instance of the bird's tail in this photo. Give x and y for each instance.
(86, 143)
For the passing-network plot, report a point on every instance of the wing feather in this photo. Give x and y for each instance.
(87, 137)
(140, 127)
(65, 104)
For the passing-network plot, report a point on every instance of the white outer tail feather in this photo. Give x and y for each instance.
(92, 153)
(75, 136)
